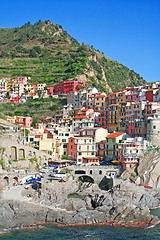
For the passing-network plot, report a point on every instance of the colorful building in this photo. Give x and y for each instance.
(111, 145)
(69, 85)
(81, 147)
(130, 151)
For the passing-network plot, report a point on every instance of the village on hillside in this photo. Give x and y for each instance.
(93, 128)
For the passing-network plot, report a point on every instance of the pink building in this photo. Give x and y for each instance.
(27, 122)
(150, 109)
(22, 80)
(132, 95)
(70, 85)
(50, 91)
(130, 151)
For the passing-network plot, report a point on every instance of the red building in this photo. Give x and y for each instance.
(69, 86)
(72, 148)
(14, 99)
(103, 120)
(137, 128)
(50, 90)
(149, 95)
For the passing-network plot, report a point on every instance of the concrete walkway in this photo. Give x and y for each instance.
(14, 193)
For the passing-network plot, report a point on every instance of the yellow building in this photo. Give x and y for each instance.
(10, 83)
(101, 102)
(121, 100)
(113, 117)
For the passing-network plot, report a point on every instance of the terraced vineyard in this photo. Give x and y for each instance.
(47, 53)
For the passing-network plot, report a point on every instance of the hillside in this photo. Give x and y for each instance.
(47, 53)
(35, 108)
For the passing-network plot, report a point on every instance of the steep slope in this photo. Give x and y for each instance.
(49, 54)
(148, 170)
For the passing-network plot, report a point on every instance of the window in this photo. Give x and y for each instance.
(63, 140)
(71, 146)
(79, 148)
(100, 172)
(93, 148)
(65, 146)
(90, 171)
(87, 148)
(154, 127)
(66, 134)
(92, 153)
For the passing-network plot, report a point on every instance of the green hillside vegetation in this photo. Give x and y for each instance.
(47, 53)
(33, 108)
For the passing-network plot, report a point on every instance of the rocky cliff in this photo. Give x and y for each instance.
(148, 170)
(74, 202)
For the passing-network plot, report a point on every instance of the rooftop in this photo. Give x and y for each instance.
(79, 117)
(114, 135)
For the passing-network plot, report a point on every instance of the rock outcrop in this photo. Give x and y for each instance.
(74, 202)
(148, 170)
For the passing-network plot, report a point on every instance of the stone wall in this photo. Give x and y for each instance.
(13, 150)
(97, 173)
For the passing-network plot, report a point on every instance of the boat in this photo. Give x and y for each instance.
(151, 226)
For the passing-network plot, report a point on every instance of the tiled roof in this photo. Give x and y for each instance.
(114, 93)
(76, 117)
(103, 95)
(114, 135)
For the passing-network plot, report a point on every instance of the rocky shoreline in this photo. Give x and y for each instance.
(74, 203)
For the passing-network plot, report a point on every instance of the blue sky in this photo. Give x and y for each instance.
(127, 31)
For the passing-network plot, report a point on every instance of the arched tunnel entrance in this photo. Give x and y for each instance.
(15, 181)
(106, 183)
(86, 178)
(6, 181)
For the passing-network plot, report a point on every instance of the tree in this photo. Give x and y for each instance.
(33, 53)
(39, 93)
(37, 49)
(36, 120)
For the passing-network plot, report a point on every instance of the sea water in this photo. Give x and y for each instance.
(52, 232)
